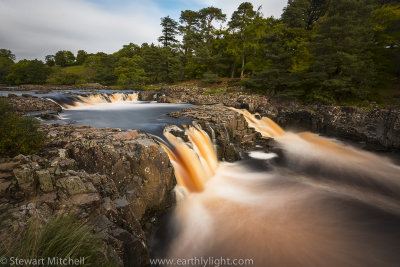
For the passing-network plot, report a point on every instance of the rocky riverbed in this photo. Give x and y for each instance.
(231, 133)
(49, 88)
(29, 103)
(123, 179)
(378, 128)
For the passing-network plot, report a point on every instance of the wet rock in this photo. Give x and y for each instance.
(230, 130)
(378, 128)
(147, 95)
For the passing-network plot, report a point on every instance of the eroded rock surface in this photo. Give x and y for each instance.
(379, 128)
(120, 178)
(27, 103)
(230, 129)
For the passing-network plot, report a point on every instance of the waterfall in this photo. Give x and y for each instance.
(314, 202)
(95, 99)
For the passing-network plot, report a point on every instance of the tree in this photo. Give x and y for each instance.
(28, 72)
(100, 68)
(152, 62)
(240, 20)
(386, 47)
(272, 60)
(190, 30)
(207, 17)
(50, 61)
(169, 30)
(343, 67)
(303, 13)
(129, 50)
(129, 72)
(64, 58)
(80, 57)
(168, 39)
(7, 54)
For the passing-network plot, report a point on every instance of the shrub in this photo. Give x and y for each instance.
(61, 77)
(62, 237)
(18, 135)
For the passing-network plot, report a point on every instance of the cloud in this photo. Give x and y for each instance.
(36, 28)
(33, 29)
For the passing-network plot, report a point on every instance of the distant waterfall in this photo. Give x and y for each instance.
(94, 99)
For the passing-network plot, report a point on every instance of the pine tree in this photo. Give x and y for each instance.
(169, 30)
(239, 26)
(343, 67)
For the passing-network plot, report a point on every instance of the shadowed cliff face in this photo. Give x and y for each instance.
(314, 202)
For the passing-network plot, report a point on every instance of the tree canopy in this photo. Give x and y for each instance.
(319, 50)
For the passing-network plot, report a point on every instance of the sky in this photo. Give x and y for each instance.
(36, 28)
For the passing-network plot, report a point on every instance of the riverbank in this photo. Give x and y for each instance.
(373, 127)
(118, 180)
(123, 178)
(49, 88)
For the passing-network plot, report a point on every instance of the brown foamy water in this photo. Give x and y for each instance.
(316, 202)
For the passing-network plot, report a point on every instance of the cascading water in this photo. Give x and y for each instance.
(95, 99)
(315, 202)
(118, 110)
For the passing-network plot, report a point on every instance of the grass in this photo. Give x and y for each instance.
(74, 69)
(62, 236)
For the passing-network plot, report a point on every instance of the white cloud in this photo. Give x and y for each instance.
(33, 29)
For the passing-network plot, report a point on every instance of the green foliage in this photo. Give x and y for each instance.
(5, 68)
(318, 51)
(341, 48)
(7, 54)
(28, 72)
(80, 57)
(64, 58)
(61, 236)
(100, 68)
(129, 72)
(50, 61)
(386, 47)
(169, 30)
(304, 13)
(18, 135)
(64, 76)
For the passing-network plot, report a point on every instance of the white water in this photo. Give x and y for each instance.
(315, 202)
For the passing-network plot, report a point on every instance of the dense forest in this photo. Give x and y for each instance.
(319, 50)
